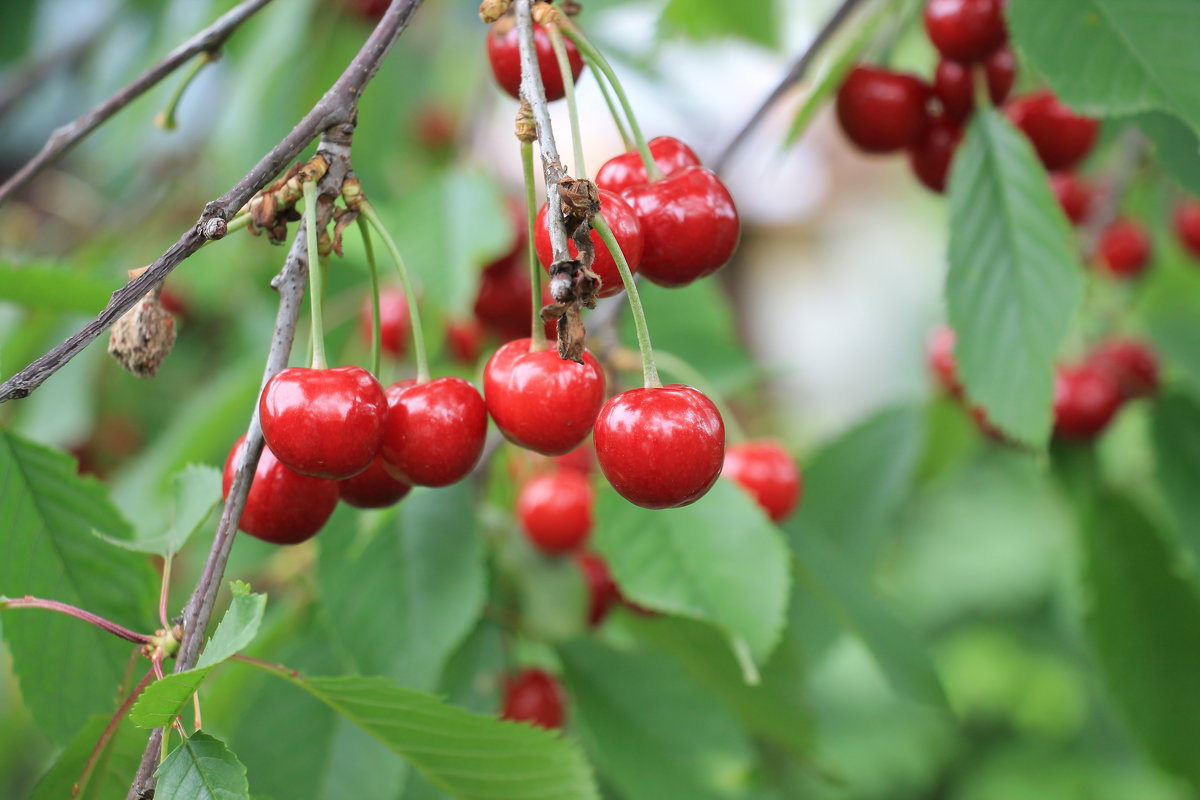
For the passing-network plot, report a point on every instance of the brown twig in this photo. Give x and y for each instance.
(337, 107)
(79, 613)
(64, 138)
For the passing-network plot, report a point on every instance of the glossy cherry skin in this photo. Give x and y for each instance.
(433, 434)
(1124, 249)
(931, 156)
(603, 593)
(534, 696)
(505, 56)
(881, 111)
(283, 507)
(660, 447)
(627, 170)
(327, 423)
(953, 83)
(503, 302)
(1131, 364)
(540, 401)
(374, 487)
(940, 353)
(768, 473)
(1085, 401)
(555, 510)
(625, 227)
(1061, 137)
(689, 223)
(393, 321)
(1187, 226)
(464, 340)
(1074, 194)
(966, 30)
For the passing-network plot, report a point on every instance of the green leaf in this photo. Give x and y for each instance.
(1014, 282)
(709, 19)
(202, 768)
(1143, 618)
(67, 669)
(53, 288)
(718, 560)
(652, 731)
(109, 776)
(1176, 424)
(1176, 146)
(196, 492)
(1175, 334)
(1114, 57)
(164, 699)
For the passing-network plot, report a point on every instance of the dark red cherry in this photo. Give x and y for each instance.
(1074, 194)
(625, 227)
(1061, 137)
(464, 340)
(393, 321)
(627, 170)
(881, 111)
(555, 510)
(930, 157)
(1187, 225)
(768, 473)
(689, 223)
(433, 434)
(603, 593)
(940, 352)
(953, 83)
(327, 423)
(368, 10)
(660, 447)
(374, 487)
(1131, 364)
(966, 30)
(536, 697)
(1085, 401)
(283, 507)
(1124, 249)
(503, 302)
(505, 56)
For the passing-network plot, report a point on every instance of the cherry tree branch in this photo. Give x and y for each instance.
(337, 107)
(66, 137)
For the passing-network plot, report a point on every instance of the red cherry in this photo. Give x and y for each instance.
(881, 111)
(660, 447)
(174, 303)
(1074, 194)
(323, 422)
(940, 351)
(930, 157)
(368, 10)
(503, 303)
(1085, 400)
(768, 473)
(954, 88)
(689, 223)
(283, 507)
(1061, 137)
(1187, 225)
(1124, 249)
(534, 696)
(505, 56)
(966, 30)
(555, 510)
(393, 321)
(433, 433)
(374, 487)
(602, 589)
(540, 401)
(626, 170)
(464, 339)
(435, 127)
(581, 459)
(625, 227)
(1131, 364)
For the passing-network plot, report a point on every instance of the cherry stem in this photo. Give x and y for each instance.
(376, 328)
(741, 652)
(650, 377)
(410, 294)
(166, 118)
(677, 366)
(568, 79)
(79, 613)
(597, 60)
(106, 735)
(616, 116)
(537, 332)
(316, 281)
(164, 591)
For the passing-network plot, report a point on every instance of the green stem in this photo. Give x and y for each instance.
(650, 377)
(238, 222)
(616, 116)
(597, 60)
(568, 79)
(410, 293)
(677, 366)
(376, 334)
(316, 281)
(537, 333)
(166, 118)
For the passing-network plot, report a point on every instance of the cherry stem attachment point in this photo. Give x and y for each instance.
(677, 366)
(376, 327)
(410, 293)
(537, 332)
(568, 79)
(650, 377)
(316, 281)
(79, 613)
(166, 118)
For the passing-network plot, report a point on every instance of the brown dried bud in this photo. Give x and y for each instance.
(492, 10)
(546, 14)
(143, 337)
(571, 335)
(525, 127)
(352, 193)
(214, 229)
(570, 7)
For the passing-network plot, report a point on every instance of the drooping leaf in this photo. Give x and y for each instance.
(202, 768)
(1014, 282)
(1176, 146)
(54, 288)
(708, 19)
(1176, 424)
(67, 669)
(110, 775)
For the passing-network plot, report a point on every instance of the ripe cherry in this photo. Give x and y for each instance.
(1074, 194)
(940, 352)
(660, 447)
(534, 696)
(1061, 137)
(625, 227)
(283, 507)
(505, 56)
(555, 510)
(1085, 401)
(881, 111)
(768, 473)
(323, 422)
(930, 157)
(627, 170)
(433, 434)
(374, 487)
(464, 340)
(503, 301)
(953, 83)
(368, 10)
(966, 30)
(1124, 249)
(393, 321)
(1187, 225)
(540, 401)
(689, 223)
(1131, 364)
(603, 593)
